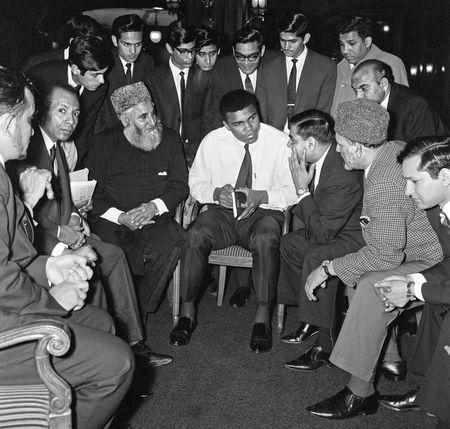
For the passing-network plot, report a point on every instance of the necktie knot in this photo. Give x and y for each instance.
(294, 62)
(248, 84)
(128, 66)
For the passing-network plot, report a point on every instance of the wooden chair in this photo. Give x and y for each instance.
(231, 256)
(45, 405)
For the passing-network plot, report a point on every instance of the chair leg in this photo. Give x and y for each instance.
(221, 291)
(280, 318)
(176, 294)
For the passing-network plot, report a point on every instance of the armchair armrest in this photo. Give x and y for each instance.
(53, 337)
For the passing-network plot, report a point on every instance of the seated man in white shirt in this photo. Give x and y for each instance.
(253, 158)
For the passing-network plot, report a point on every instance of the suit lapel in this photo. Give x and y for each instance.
(307, 72)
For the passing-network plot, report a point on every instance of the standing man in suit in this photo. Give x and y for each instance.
(399, 240)
(299, 80)
(182, 93)
(89, 60)
(130, 65)
(356, 40)
(330, 201)
(426, 169)
(98, 381)
(59, 227)
(208, 48)
(253, 158)
(410, 115)
(141, 178)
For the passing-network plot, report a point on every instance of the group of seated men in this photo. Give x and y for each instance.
(358, 195)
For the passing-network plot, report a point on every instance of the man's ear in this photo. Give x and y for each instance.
(444, 176)
(169, 49)
(125, 120)
(357, 149)
(226, 125)
(7, 123)
(384, 83)
(75, 70)
(263, 50)
(368, 41)
(311, 143)
(306, 38)
(114, 40)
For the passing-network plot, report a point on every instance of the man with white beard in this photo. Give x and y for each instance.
(141, 178)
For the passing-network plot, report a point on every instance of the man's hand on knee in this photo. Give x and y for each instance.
(223, 196)
(393, 291)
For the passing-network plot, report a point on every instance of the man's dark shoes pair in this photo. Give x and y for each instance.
(344, 405)
(261, 340)
(314, 358)
(394, 371)
(145, 356)
(303, 332)
(404, 402)
(181, 334)
(240, 297)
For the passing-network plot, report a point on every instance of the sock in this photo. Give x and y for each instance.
(360, 387)
(262, 314)
(188, 310)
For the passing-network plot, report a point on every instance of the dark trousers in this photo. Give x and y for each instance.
(118, 285)
(216, 229)
(99, 366)
(300, 256)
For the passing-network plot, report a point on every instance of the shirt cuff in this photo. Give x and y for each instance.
(112, 214)
(59, 249)
(77, 215)
(418, 280)
(303, 196)
(160, 205)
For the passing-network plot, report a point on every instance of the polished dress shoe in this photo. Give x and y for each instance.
(240, 297)
(145, 356)
(304, 332)
(394, 371)
(344, 405)
(403, 402)
(314, 358)
(181, 334)
(261, 340)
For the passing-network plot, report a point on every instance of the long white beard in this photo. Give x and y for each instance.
(148, 139)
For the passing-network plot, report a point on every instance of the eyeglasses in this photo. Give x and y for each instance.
(252, 57)
(186, 52)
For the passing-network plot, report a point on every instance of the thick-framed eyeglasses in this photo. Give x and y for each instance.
(252, 57)
(186, 52)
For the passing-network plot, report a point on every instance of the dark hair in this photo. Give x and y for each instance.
(434, 153)
(12, 91)
(127, 24)
(44, 98)
(205, 36)
(89, 53)
(363, 26)
(79, 25)
(314, 123)
(296, 23)
(236, 100)
(247, 35)
(380, 69)
(179, 32)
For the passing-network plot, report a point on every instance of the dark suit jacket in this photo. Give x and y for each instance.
(43, 57)
(23, 281)
(411, 116)
(197, 104)
(90, 101)
(107, 117)
(315, 87)
(335, 208)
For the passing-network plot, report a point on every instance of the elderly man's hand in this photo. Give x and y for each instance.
(59, 268)
(223, 196)
(394, 289)
(125, 220)
(71, 293)
(73, 236)
(316, 278)
(86, 251)
(34, 182)
(253, 200)
(143, 214)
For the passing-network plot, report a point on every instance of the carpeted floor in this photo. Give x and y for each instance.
(216, 382)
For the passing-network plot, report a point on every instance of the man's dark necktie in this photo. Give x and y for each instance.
(244, 179)
(27, 224)
(128, 74)
(292, 90)
(52, 154)
(312, 186)
(182, 94)
(248, 84)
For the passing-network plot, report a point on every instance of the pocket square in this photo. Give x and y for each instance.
(364, 220)
(162, 173)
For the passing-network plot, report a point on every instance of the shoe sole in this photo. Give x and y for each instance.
(329, 365)
(413, 408)
(161, 364)
(299, 342)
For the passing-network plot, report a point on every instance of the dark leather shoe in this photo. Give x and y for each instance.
(181, 334)
(394, 371)
(403, 402)
(344, 405)
(261, 340)
(303, 332)
(240, 297)
(145, 356)
(143, 393)
(314, 358)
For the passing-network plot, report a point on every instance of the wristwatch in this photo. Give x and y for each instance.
(325, 267)
(301, 191)
(410, 291)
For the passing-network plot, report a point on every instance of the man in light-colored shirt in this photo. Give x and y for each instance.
(253, 158)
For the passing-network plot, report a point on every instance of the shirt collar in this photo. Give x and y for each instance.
(301, 58)
(49, 143)
(385, 102)
(446, 209)
(2, 161)
(66, 53)
(124, 64)
(176, 71)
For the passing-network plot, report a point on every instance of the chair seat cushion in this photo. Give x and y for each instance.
(24, 406)
(233, 255)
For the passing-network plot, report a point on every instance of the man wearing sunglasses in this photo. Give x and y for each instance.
(182, 94)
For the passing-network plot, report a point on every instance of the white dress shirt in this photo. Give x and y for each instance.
(124, 65)
(219, 160)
